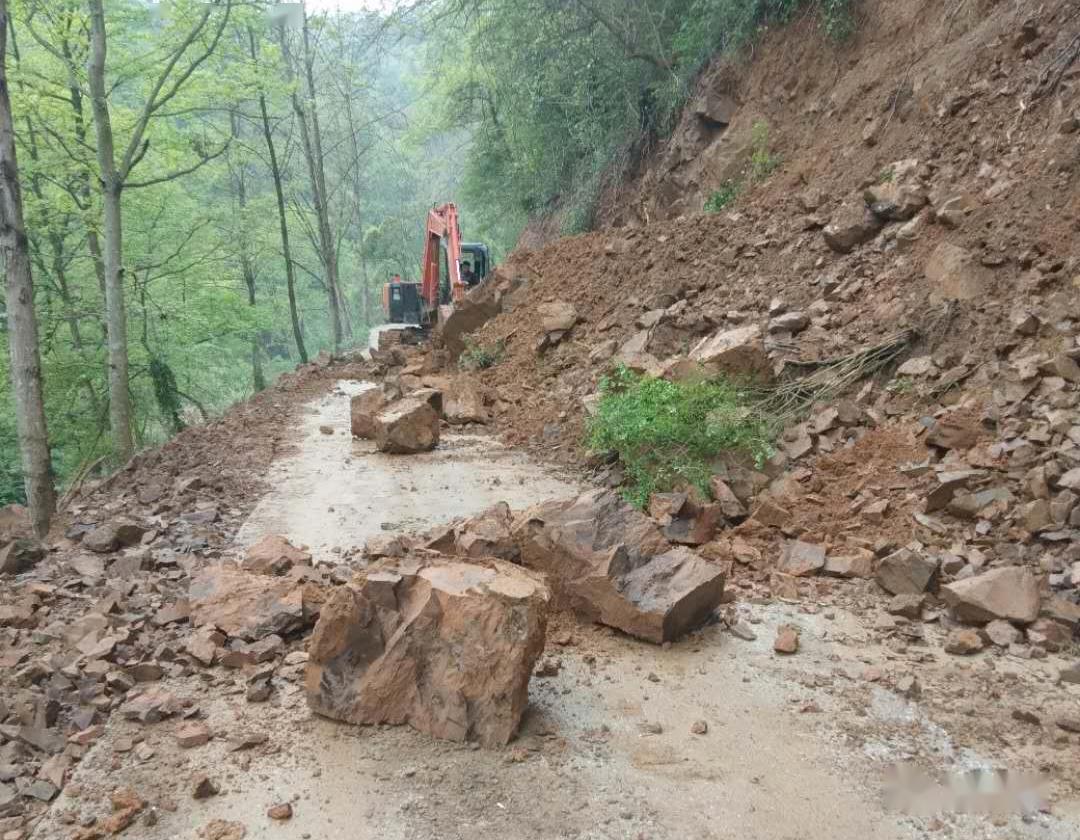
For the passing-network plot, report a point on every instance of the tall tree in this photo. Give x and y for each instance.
(22, 320)
(178, 66)
(307, 115)
(283, 218)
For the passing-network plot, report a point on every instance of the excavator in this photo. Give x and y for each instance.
(442, 284)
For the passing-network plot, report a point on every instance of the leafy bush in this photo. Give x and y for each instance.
(762, 161)
(667, 433)
(722, 197)
(478, 357)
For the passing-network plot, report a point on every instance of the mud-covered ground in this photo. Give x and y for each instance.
(712, 737)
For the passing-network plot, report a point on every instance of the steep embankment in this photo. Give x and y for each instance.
(923, 185)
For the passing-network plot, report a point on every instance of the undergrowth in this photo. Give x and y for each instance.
(722, 197)
(667, 434)
(478, 357)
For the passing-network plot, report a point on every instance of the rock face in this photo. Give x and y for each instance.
(407, 426)
(737, 352)
(444, 646)
(609, 563)
(1011, 593)
(246, 605)
(362, 411)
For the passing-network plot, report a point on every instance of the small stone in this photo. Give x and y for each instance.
(964, 641)
(203, 787)
(908, 605)
(787, 640)
(281, 811)
(699, 727)
(1002, 633)
(192, 734)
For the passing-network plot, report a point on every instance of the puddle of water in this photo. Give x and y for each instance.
(335, 492)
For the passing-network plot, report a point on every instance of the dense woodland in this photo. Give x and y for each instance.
(214, 192)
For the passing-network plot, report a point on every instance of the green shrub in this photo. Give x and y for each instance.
(477, 357)
(668, 433)
(722, 197)
(762, 161)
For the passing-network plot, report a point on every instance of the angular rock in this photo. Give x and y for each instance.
(851, 225)
(464, 403)
(558, 316)
(609, 563)
(907, 605)
(857, 565)
(407, 426)
(954, 273)
(900, 196)
(113, 536)
(1010, 593)
(363, 408)
(444, 646)
(468, 316)
(245, 605)
(787, 640)
(730, 506)
(19, 555)
(739, 352)
(906, 572)
(801, 559)
(488, 534)
(274, 555)
(790, 322)
(950, 432)
(963, 641)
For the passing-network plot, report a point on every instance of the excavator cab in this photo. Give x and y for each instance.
(443, 282)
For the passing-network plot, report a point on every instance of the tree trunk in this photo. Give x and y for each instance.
(283, 219)
(22, 321)
(311, 140)
(358, 209)
(247, 268)
(111, 189)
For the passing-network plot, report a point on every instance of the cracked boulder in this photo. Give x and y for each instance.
(609, 563)
(444, 646)
(246, 605)
(407, 426)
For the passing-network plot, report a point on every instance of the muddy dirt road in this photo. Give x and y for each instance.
(611, 746)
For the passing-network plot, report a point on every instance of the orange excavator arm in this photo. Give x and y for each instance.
(442, 225)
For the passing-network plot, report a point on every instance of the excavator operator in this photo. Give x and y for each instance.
(467, 276)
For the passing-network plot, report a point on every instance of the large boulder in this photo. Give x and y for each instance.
(363, 409)
(488, 534)
(558, 316)
(738, 353)
(407, 426)
(444, 646)
(609, 563)
(1010, 593)
(851, 225)
(246, 605)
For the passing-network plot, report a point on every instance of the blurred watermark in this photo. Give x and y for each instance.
(980, 791)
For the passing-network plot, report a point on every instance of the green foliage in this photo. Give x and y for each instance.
(886, 175)
(722, 197)
(762, 160)
(560, 98)
(668, 433)
(477, 357)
